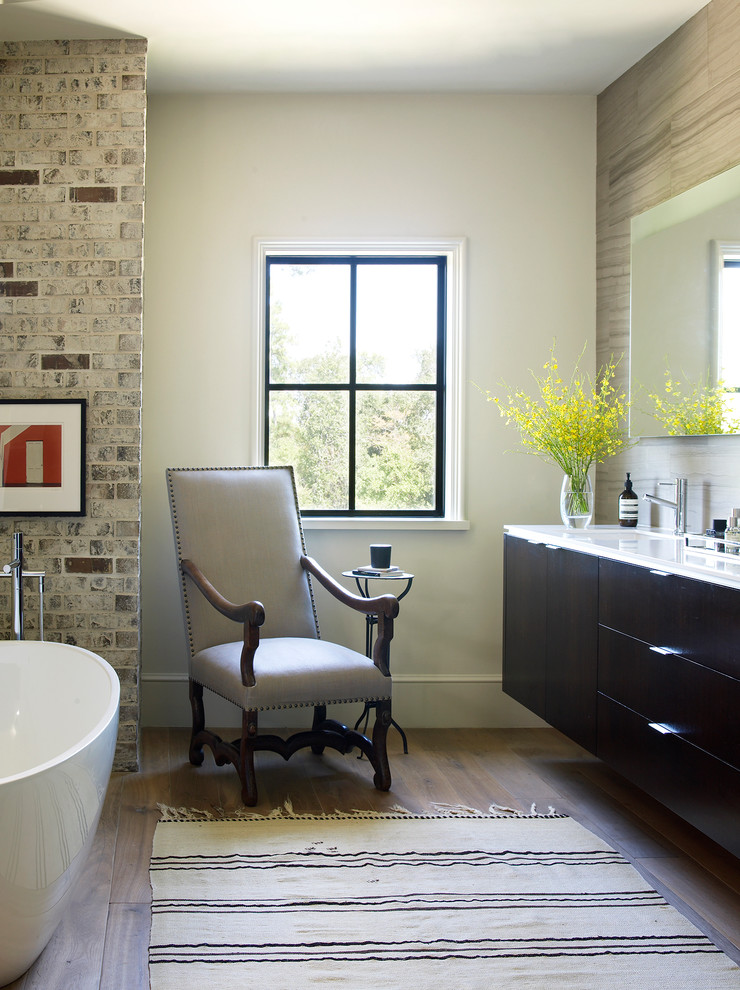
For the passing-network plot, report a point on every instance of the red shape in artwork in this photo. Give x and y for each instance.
(15, 466)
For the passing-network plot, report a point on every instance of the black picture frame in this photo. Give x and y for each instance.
(42, 457)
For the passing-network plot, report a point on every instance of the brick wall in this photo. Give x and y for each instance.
(72, 139)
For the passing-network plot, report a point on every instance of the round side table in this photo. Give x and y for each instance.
(362, 578)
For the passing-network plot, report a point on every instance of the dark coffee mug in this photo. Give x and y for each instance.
(380, 555)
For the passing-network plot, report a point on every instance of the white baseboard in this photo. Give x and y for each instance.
(169, 678)
(419, 701)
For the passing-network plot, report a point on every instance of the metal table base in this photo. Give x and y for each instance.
(371, 621)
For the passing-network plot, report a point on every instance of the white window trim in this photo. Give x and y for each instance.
(720, 251)
(454, 249)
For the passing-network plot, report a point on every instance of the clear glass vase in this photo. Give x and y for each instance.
(576, 501)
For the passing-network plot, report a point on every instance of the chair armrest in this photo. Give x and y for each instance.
(251, 614)
(385, 604)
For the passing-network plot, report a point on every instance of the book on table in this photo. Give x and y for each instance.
(368, 571)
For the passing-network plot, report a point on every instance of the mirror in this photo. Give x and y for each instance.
(685, 313)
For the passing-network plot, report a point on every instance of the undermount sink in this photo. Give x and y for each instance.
(627, 531)
(633, 534)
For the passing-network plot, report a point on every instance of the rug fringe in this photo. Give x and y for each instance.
(285, 812)
(494, 811)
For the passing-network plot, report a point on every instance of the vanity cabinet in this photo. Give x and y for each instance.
(550, 635)
(669, 692)
(638, 665)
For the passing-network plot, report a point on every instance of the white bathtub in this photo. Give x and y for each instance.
(58, 727)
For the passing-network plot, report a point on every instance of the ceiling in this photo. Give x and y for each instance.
(507, 46)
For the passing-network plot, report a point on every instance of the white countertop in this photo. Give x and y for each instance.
(658, 549)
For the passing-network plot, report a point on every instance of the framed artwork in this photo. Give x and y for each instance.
(42, 457)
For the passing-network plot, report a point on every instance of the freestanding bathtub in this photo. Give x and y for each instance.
(58, 727)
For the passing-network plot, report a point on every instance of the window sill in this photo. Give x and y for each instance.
(384, 523)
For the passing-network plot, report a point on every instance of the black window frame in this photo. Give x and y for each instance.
(352, 386)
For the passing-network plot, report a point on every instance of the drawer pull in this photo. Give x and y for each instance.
(663, 652)
(662, 729)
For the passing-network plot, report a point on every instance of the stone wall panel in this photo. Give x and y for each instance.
(669, 123)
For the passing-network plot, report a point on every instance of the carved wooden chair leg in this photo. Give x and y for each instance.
(199, 723)
(246, 758)
(319, 717)
(382, 778)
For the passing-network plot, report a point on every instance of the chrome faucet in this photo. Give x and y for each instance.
(678, 504)
(15, 571)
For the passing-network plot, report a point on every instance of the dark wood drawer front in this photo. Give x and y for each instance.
(630, 598)
(525, 593)
(699, 788)
(698, 704)
(572, 641)
(699, 620)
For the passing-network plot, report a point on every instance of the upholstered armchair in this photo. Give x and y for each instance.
(239, 539)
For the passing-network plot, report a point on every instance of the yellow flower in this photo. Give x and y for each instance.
(697, 411)
(573, 424)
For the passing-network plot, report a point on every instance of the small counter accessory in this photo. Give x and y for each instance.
(720, 528)
(628, 505)
(732, 533)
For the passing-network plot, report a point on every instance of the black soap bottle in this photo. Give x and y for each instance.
(628, 504)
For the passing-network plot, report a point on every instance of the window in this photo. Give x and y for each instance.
(356, 369)
(728, 321)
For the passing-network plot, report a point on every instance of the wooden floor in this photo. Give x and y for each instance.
(102, 942)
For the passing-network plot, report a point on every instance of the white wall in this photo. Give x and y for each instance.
(515, 175)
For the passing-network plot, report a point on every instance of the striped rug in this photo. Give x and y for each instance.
(526, 901)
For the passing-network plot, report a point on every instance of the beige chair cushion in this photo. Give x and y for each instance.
(291, 673)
